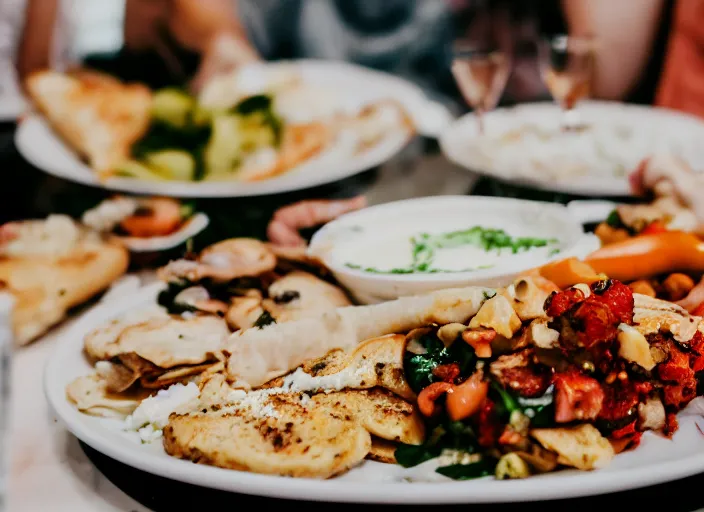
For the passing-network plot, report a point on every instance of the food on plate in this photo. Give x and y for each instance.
(98, 116)
(608, 149)
(649, 255)
(247, 133)
(667, 175)
(232, 285)
(52, 265)
(287, 221)
(138, 216)
(459, 384)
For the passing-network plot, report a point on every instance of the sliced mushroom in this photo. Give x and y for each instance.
(224, 261)
(243, 312)
(299, 294)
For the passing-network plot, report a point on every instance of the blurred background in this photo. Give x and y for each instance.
(170, 42)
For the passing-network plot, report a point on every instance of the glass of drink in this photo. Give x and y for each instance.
(481, 70)
(567, 67)
(6, 343)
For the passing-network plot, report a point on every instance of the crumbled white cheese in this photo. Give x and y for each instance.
(152, 415)
(451, 457)
(110, 213)
(257, 402)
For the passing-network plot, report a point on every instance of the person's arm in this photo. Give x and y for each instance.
(35, 47)
(209, 27)
(625, 30)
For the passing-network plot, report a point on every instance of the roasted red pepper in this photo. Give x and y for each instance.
(577, 397)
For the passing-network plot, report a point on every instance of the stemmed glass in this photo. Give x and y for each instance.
(567, 67)
(481, 66)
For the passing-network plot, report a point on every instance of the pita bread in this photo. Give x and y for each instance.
(90, 395)
(99, 117)
(165, 342)
(259, 355)
(300, 294)
(655, 315)
(47, 285)
(382, 451)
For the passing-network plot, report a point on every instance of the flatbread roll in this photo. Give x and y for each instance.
(260, 355)
(99, 117)
(51, 266)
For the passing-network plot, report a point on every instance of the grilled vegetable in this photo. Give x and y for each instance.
(173, 164)
(649, 255)
(173, 107)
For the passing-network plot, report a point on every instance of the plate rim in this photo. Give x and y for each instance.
(34, 123)
(418, 102)
(341, 491)
(580, 186)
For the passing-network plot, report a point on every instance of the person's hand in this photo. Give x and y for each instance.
(666, 175)
(284, 225)
(224, 54)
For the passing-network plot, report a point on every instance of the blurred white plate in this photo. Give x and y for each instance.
(656, 460)
(42, 148)
(622, 136)
(378, 231)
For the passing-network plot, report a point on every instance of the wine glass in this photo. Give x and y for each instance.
(567, 68)
(481, 69)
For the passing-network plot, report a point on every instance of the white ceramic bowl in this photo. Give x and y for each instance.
(374, 227)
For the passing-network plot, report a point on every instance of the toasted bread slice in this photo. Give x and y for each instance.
(286, 439)
(383, 414)
(377, 362)
(98, 116)
(383, 451)
(47, 284)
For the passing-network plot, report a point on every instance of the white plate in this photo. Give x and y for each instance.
(38, 143)
(657, 460)
(652, 130)
(372, 228)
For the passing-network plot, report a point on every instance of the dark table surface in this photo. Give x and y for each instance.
(419, 171)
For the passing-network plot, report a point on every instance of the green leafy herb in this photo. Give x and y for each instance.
(419, 367)
(614, 220)
(264, 320)
(540, 411)
(452, 435)
(187, 210)
(424, 247)
(408, 455)
(484, 467)
(167, 298)
(488, 295)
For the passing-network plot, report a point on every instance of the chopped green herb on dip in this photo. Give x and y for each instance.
(425, 248)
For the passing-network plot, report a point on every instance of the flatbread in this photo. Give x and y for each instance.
(47, 286)
(259, 355)
(166, 342)
(91, 396)
(99, 117)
